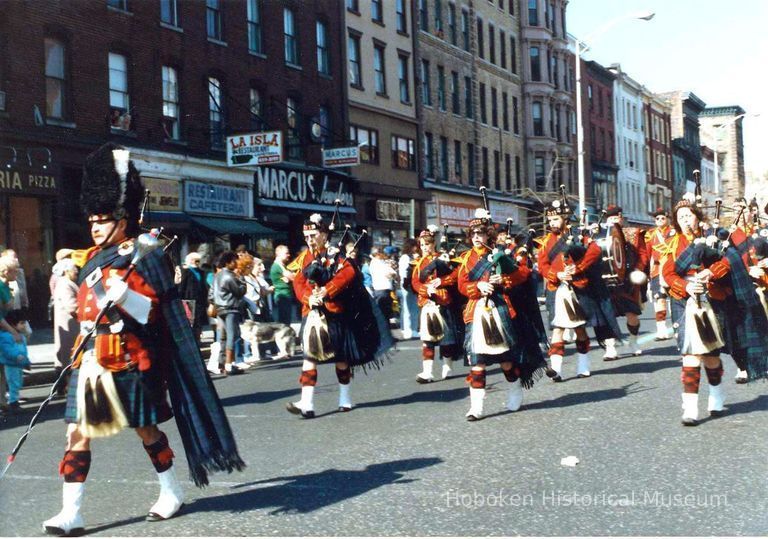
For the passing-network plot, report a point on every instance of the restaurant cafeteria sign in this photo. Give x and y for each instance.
(255, 149)
(217, 199)
(301, 187)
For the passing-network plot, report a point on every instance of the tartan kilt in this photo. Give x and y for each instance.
(626, 301)
(678, 321)
(452, 335)
(735, 331)
(658, 291)
(143, 394)
(484, 359)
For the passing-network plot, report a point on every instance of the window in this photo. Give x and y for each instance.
(494, 108)
(533, 13)
(429, 158)
(468, 111)
(256, 110)
(213, 18)
(496, 170)
(402, 19)
(119, 99)
(549, 66)
(367, 140)
(443, 172)
(353, 5)
(323, 58)
(455, 105)
(457, 172)
(324, 119)
(55, 79)
(558, 127)
(423, 16)
(555, 73)
(290, 38)
(538, 124)
(589, 96)
(380, 79)
(503, 49)
(508, 171)
(512, 54)
(552, 120)
(169, 12)
(511, 7)
(491, 43)
(483, 113)
(515, 116)
(480, 43)
(518, 183)
(170, 103)
(439, 17)
(471, 164)
(353, 53)
(118, 4)
(465, 30)
(539, 173)
(505, 111)
(441, 87)
(426, 93)
(402, 75)
(486, 174)
(452, 35)
(403, 153)
(547, 15)
(535, 64)
(293, 142)
(377, 11)
(215, 114)
(254, 26)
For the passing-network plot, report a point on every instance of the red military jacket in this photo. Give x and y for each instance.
(655, 238)
(116, 351)
(677, 283)
(443, 294)
(549, 270)
(302, 288)
(468, 288)
(635, 240)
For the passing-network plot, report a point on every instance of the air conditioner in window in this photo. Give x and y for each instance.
(2, 101)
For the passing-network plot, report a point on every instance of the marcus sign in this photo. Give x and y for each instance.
(302, 187)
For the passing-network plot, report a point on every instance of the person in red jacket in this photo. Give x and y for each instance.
(655, 240)
(434, 281)
(484, 277)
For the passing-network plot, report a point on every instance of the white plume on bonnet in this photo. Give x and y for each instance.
(482, 213)
(121, 158)
(433, 228)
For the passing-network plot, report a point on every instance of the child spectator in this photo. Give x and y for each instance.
(14, 358)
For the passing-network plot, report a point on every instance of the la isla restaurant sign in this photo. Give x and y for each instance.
(301, 187)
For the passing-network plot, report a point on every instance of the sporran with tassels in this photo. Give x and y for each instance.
(702, 330)
(99, 410)
(568, 311)
(488, 331)
(432, 323)
(316, 338)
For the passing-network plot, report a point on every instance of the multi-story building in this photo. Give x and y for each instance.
(600, 170)
(721, 129)
(382, 118)
(685, 108)
(658, 152)
(709, 191)
(548, 95)
(630, 147)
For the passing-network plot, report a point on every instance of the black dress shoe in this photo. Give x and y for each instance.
(610, 358)
(291, 407)
(583, 375)
(154, 517)
(550, 372)
(716, 413)
(473, 418)
(557, 378)
(421, 380)
(345, 408)
(689, 422)
(740, 380)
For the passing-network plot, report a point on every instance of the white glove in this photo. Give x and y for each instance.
(315, 301)
(116, 292)
(485, 288)
(694, 287)
(756, 272)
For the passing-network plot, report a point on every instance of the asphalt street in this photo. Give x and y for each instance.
(405, 461)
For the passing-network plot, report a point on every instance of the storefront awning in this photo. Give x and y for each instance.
(222, 225)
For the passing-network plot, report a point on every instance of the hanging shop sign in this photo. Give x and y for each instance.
(28, 182)
(391, 210)
(164, 195)
(501, 211)
(255, 149)
(278, 186)
(217, 199)
(341, 157)
(455, 213)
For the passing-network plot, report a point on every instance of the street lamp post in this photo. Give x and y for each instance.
(580, 48)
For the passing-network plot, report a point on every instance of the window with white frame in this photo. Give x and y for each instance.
(353, 55)
(367, 141)
(290, 37)
(171, 103)
(213, 19)
(119, 99)
(379, 70)
(402, 75)
(56, 90)
(403, 153)
(169, 12)
(323, 56)
(215, 113)
(254, 26)
(402, 18)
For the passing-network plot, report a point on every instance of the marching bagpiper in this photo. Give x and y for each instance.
(627, 297)
(715, 308)
(485, 278)
(655, 240)
(143, 350)
(576, 296)
(434, 281)
(340, 323)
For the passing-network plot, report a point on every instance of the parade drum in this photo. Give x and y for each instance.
(612, 263)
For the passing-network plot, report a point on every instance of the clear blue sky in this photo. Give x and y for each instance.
(718, 49)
